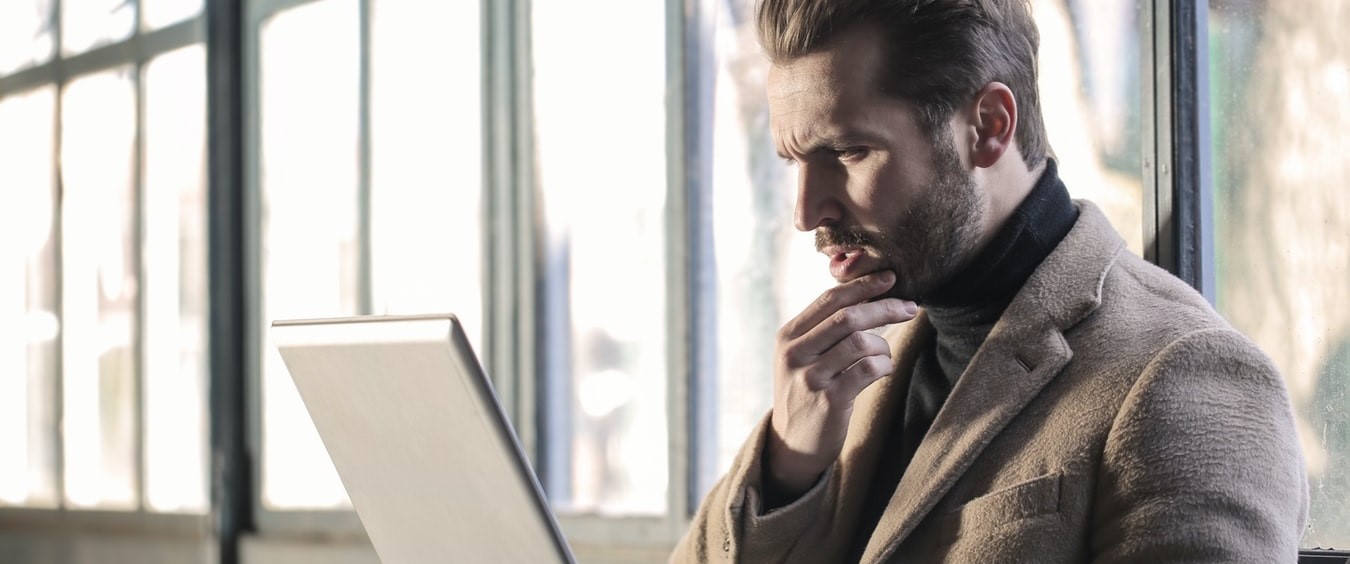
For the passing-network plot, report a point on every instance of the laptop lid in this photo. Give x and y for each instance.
(428, 458)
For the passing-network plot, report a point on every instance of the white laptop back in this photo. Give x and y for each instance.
(429, 460)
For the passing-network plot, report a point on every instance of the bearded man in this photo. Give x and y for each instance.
(1041, 395)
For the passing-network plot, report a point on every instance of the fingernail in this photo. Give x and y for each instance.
(887, 277)
(911, 308)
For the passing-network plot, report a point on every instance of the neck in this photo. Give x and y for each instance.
(1025, 238)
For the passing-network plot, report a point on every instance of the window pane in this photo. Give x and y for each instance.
(425, 187)
(99, 290)
(25, 33)
(309, 93)
(86, 24)
(28, 300)
(159, 13)
(174, 223)
(1278, 80)
(767, 272)
(600, 127)
(1089, 94)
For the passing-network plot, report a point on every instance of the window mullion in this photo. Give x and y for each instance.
(139, 355)
(58, 268)
(364, 291)
(231, 308)
(690, 271)
(1192, 202)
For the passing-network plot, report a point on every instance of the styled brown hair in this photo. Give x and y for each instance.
(939, 53)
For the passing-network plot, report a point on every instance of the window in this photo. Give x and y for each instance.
(102, 274)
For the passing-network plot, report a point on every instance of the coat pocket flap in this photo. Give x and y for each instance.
(1037, 496)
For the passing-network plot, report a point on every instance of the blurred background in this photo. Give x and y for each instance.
(591, 187)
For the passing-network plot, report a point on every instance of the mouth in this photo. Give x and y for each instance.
(847, 263)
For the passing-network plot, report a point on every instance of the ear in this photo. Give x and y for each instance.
(995, 123)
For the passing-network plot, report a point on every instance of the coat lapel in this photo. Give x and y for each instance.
(1024, 352)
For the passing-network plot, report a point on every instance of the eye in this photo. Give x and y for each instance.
(849, 154)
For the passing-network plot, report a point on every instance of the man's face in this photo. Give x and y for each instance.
(880, 193)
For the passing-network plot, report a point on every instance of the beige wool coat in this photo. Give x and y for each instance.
(1111, 417)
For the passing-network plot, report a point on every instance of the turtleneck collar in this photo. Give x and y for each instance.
(1037, 225)
(965, 311)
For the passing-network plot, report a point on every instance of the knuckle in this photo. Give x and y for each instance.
(812, 379)
(846, 317)
(828, 297)
(792, 357)
(894, 310)
(858, 341)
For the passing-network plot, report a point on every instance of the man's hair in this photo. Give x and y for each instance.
(937, 53)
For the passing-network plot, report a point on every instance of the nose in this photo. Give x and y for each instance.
(817, 198)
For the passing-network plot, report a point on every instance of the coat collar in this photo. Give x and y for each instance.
(1025, 350)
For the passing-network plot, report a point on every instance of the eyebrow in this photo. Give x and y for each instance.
(833, 142)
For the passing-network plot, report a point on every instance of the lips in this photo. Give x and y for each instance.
(847, 263)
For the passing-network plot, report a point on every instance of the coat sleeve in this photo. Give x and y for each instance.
(1202, 463)
(730, 525)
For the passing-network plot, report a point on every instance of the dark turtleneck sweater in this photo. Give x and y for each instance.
(963, 314)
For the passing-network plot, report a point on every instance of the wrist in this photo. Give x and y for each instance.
(786, 473)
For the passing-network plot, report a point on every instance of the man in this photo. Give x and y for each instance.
(1058, 399)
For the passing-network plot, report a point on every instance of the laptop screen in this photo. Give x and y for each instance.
(409, 419)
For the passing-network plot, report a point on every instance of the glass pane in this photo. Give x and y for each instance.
(600, 127)
(1278, 77)
(309, 93)
(26, 28)
(86, 24)
(99, 290)
(767, 272)
(159, 13)
(174, 223)
(28, 300)
(426, 189)
(1089, 94)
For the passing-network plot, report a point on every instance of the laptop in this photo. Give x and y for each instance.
(429, 460)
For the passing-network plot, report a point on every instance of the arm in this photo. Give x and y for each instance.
(1202, 463)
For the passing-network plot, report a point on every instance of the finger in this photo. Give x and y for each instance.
(853, 292)
(859, 376)
(858, 345)
(852, 319)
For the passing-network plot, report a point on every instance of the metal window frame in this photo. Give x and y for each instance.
(134, 52)
(1178, 194)
(231, 295)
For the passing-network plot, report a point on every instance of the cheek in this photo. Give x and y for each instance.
(886, 189)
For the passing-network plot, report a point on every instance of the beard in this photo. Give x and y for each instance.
(935, 237)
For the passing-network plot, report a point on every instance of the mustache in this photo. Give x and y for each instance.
(846, 237)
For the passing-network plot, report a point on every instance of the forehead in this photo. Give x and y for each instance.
(843, 69)
(831, 88)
